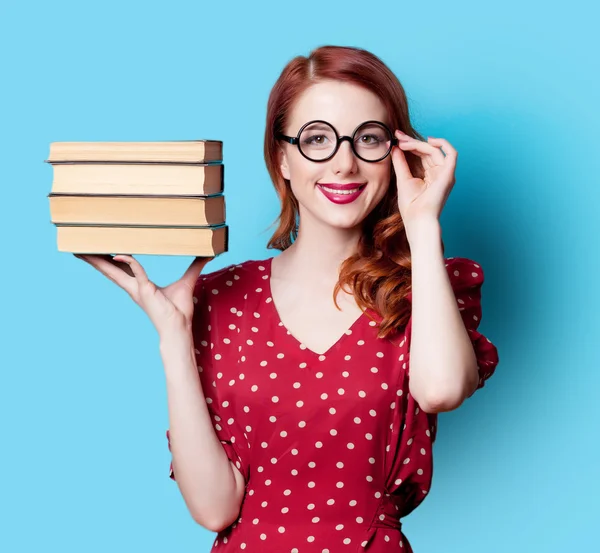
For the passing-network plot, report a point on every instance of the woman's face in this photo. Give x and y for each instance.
(314, 184)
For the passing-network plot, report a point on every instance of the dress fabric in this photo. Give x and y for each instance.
(333, 448)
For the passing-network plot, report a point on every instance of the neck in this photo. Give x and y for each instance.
(318, 251)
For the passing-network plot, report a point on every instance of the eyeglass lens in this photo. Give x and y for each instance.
(372, 141)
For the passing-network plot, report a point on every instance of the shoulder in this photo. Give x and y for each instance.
(233, 280)
(464, 271)
(461, 262)
(249, 268)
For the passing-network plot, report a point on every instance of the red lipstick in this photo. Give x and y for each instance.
(341, 193)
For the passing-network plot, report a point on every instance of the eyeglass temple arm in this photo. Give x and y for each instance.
(290, 139)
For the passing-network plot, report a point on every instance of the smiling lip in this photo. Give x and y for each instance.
(336, 186)
(338, 193)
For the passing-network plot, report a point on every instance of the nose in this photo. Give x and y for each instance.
(344, 160)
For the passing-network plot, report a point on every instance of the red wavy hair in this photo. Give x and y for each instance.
(379, 273)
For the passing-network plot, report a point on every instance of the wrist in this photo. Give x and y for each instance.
(425, 233)
(176, 338)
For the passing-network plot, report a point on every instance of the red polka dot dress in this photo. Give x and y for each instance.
(333, 448)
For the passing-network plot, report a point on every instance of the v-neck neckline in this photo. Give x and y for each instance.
(275, 312)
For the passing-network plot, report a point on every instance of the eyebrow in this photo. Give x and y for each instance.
(318, 127)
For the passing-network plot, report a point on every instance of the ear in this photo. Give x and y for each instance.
(283, 164)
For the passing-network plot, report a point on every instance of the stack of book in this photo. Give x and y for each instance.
(156, 198)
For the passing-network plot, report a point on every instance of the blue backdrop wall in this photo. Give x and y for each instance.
(84, 460)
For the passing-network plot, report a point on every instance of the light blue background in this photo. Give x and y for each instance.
(513, 86)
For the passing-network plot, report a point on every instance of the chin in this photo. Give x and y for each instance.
(341, 220)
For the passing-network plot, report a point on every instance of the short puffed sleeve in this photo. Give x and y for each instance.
(207, 338)
(466, 277)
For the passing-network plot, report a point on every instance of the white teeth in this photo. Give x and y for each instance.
(342, 192)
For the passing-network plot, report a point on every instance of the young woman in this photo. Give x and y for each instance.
(303, 389)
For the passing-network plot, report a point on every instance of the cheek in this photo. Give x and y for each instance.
(380, 175)
(303, 171)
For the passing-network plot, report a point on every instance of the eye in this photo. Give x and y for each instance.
(369, 139)
(315, 140)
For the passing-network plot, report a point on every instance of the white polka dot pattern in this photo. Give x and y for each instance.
(333, 448)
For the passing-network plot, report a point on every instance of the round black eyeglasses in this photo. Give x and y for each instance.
(318, 140)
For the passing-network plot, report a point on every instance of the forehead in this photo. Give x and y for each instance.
(344, 105)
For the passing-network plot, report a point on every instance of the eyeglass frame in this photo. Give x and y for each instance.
(339, 139)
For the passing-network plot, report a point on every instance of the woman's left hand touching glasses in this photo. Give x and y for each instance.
(423, 199)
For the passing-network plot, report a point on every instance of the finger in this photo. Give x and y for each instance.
(427, 151)
(193, 271)
(123, 266)
(400, 164)
(109, 269)
(138, 271)
(104, 263)
(441, 142)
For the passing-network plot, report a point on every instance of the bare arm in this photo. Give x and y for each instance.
(443, 365)
(212, 487)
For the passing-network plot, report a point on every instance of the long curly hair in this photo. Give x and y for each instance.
(379, 273)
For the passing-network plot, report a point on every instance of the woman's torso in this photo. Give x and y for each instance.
(333, 447)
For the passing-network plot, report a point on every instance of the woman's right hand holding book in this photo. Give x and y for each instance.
(212, 487)
(170, 308)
